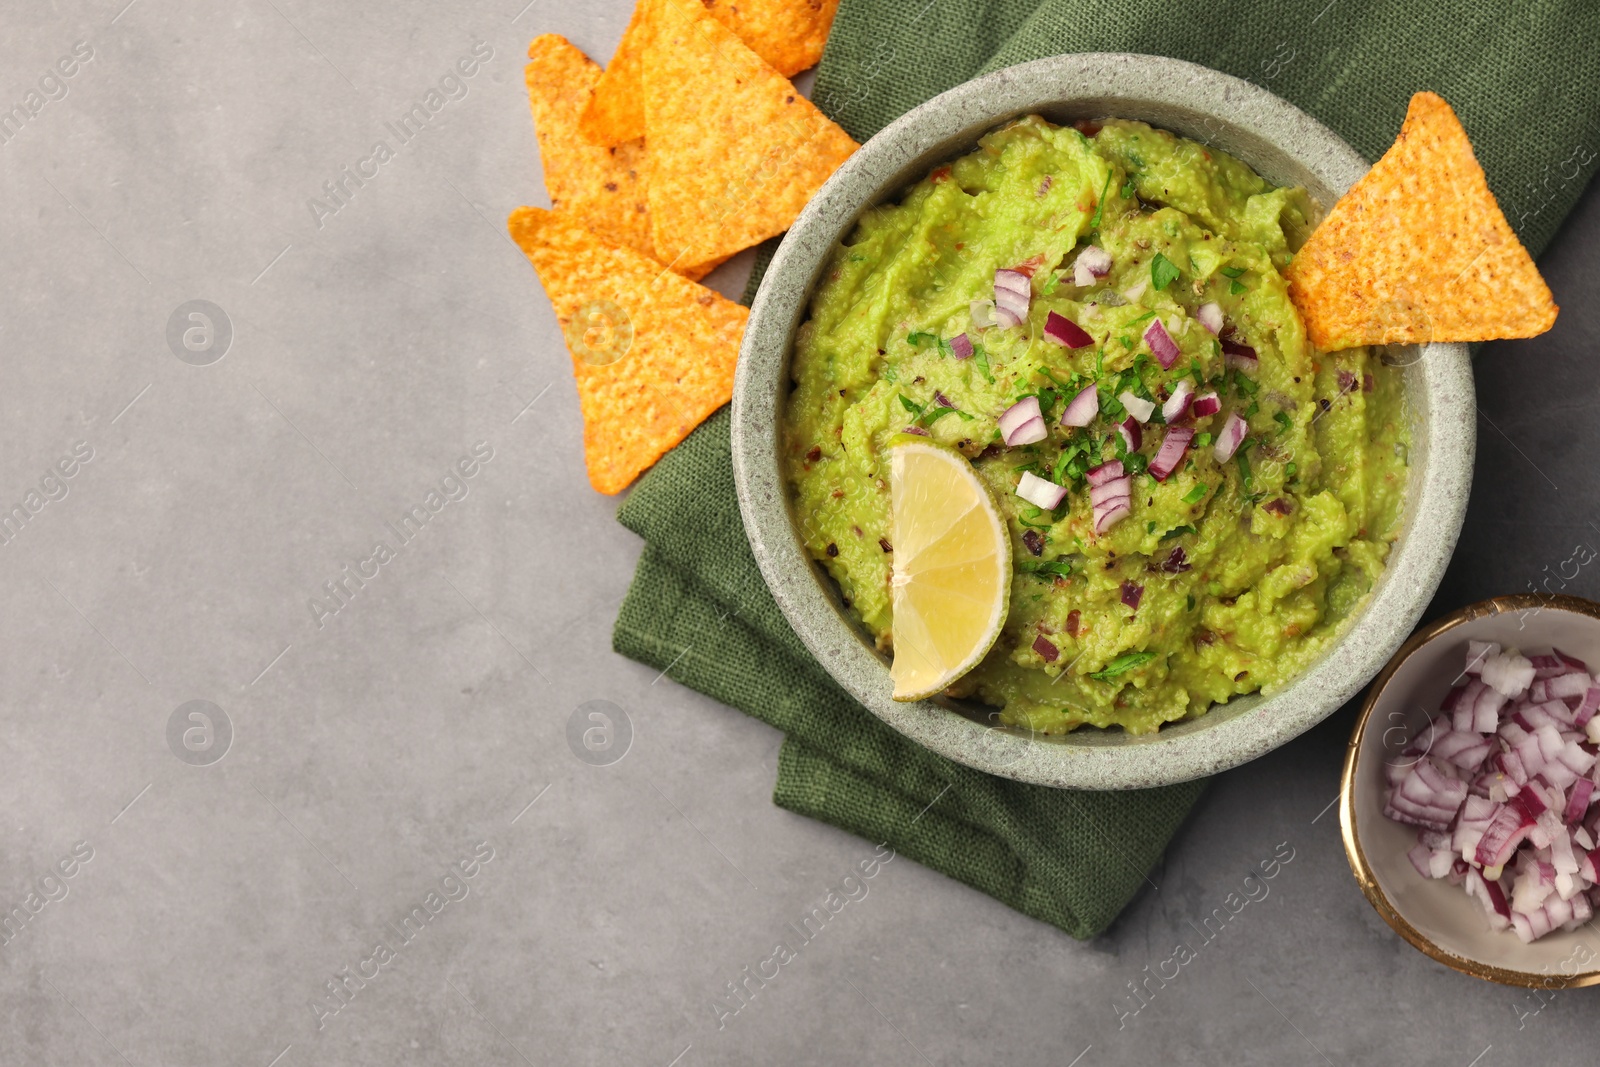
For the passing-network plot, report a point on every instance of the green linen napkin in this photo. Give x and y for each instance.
(1528, 90)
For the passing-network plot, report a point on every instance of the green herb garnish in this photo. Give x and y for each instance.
(1282, 419)
(1195, 495)
(980, 358)
(913, 408)
(1190, 599)
(1099, 208)
(921, 339)
(1289, 471)
(1128, 189)
(1203, 439)
(1054, 567)
(1235, 288)
(1122, 665)
(1177, 531)
(1244, 461)
(1233, 272)
(1162, 272)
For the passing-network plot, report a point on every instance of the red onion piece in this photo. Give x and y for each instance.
(1083, 408)
(1170, 454)
(1132, 436)
(961, 346)
(1177, 404)
(1018, 415)
(1046, 649)
(1030, 433)
(1041, 492)
(1161, 343)
(1207, 403)
(1091, 263)
(1105, 472)
(918, 430)
(1230, 437)
(1132, 594)
(1109, 492)
(1210, 316)
(1239, 356)
(1062, 330)
(1013, 293)
(1113, 514)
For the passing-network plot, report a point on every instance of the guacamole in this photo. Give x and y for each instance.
(1221, 578)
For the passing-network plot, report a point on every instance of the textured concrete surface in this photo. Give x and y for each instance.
(398, 771)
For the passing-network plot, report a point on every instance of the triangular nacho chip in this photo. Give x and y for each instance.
(653, 353)
(735, 150)
(788, 34)
(602, 187)
(1418, 250)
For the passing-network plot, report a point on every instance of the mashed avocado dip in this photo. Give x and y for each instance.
(1225, 577)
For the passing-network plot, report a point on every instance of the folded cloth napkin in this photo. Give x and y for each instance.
(1525, 85)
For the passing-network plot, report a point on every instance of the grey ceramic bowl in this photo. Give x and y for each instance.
(1284, 145)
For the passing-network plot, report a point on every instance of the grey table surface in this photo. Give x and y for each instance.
(393, 767)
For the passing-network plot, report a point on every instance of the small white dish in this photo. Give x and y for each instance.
(1435, 916)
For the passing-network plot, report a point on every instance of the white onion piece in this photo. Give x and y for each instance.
(1083, 408)
(1139, 408)
(1230, 437)
(982, 312)
(1017, 416)
(1041, 492)
(1210, 316)
(1177, 405)
(1091, 263)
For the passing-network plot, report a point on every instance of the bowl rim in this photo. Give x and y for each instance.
(1250, 725)
(1359, 865)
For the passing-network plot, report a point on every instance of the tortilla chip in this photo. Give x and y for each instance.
(616, 113)
(602, 187)
(653, 353)
(788, 34)
(735, 150)
(1419, 251)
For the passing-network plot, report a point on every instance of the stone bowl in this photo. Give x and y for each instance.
(1433, 916)
(1284, 145)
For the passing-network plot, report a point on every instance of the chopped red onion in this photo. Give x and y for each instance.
(1161, 343)
(1013, 293)
(961, 346)
(1206, 404)
(1083, 408)
(1230, 437)
(1503, 784)
(1041, 492)
(1106, 472)
(1210, 316)
(1132, 436)
(1113, 514)
(1059, 328)
(1170, 454)
(1177, 404)
(1138, 407)
(1091, 263)
(1239, 356)
(1046, 649)
(1022, 423)
(918, 430)
(1132, 594)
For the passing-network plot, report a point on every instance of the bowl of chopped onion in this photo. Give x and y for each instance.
(1470, 802)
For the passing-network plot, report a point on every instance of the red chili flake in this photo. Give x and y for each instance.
(1131, 594)
(1047, 651)
(883, 543)
(1073, 617)
(815, 454)
(1279, 506)
(1177, 562)
(1034, 542)
(1087, 127)
(939, 174)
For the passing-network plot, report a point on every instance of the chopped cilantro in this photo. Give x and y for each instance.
(1053, 567)
(1047, 402)
(889, 374)
(1246, 386)
(1122, 665)
(1162, 272)
(1252, 409)
(1099, 208)
(1134, 461)
(1150, 527)
(1190, 599)
(933, 414)
(1177, 531)
(981, 359)
(921, 339)
(1282, 419)
(1243, 460)
(1128, 189)
(1233, 272)
(1050, 284)
(1203, 439)
(1195, 495)
(915, 409)
(1235, 288)
(1289, 471)
(1111, 408)
(1198, 372)
(1034, 525)
(1141, 318)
